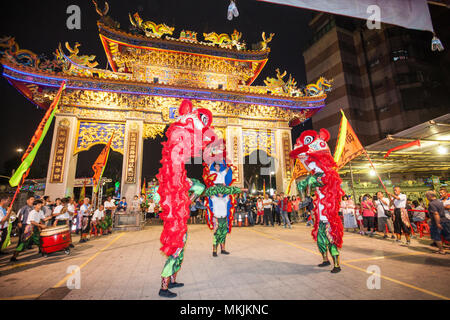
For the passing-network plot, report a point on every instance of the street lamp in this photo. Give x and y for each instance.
(19, 150)
(442, 150)
(271, 173)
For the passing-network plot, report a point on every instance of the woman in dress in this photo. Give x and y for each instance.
(368, 213)
(348, 211)
(359, 218)
(289, 209)
(260, 211)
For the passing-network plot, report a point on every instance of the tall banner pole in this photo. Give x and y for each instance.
(373, 167)
(353, 182)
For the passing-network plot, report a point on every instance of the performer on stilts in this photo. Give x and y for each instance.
(313, 151)
(221, 204)
(186, 138)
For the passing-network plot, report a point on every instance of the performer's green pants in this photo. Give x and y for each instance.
(221, 233)
(323, 242)
(108, 220)
(34, 238)
(103, 225)
(173, 262)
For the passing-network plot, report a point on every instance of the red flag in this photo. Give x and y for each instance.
(100, 163)
(403, 146)
(29, 155)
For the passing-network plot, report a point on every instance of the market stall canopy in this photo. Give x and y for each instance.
(433, 154)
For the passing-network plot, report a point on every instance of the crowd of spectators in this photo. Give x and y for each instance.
(391, 214)
(395, 214)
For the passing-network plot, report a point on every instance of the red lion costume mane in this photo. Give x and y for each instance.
(312, 147)
(186, 138)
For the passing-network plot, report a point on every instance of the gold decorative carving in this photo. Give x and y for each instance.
(221, 132)
(224, 40)
(132, 156)
(265, 41)
(287, 160)
(279, 86)
(93, 133)
(84, 60)
(101, 104)
(153, 130)
(59, 156)
(182, 69)
(258, 140)
(150, 28)
(236, 160)
(64, 122)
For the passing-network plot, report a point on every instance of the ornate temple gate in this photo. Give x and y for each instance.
(152, 71)
(76, 131)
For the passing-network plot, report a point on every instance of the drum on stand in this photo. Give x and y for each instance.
(55, 239)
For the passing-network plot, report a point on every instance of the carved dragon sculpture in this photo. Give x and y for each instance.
(215, 38)
(263, 44)
(224, 40)
(84, 60)
(320, 87)
(150, 28)
(278, 85)
(107, 20)
(9, 50)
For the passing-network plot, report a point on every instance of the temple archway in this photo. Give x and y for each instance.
(259, 167)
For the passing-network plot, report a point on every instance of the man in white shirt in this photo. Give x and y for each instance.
(85, 215)
(220, 178)
(60, 213)
(98, 219)
(110, 207)
(267, 203)
(400, 216)
(33, 226)
(445, 201)
(382, 205)
(220, 212)
(151, 209)
(71, 208)
(47, 208)
(5, 213)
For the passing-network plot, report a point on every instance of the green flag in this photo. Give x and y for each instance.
(7, 241)
(36, 141)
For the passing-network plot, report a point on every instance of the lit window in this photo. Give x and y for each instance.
(399, 55)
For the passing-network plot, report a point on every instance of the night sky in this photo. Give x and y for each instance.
(40, 25)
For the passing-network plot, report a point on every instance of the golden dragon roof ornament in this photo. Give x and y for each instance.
(107, 20)
(150, 28)
(224, 40)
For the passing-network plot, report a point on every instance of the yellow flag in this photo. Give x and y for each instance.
(348, 145)
(299, 171)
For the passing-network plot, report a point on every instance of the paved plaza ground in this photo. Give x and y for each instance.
(265, 263)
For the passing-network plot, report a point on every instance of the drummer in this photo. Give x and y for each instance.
(34, 225)
(61, 213)
(85, 215)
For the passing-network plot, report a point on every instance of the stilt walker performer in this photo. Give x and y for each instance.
(186, 138)
(221, 205)
(313, 151)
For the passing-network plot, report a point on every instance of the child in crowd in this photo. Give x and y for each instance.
(260, 211)
(359, 218)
